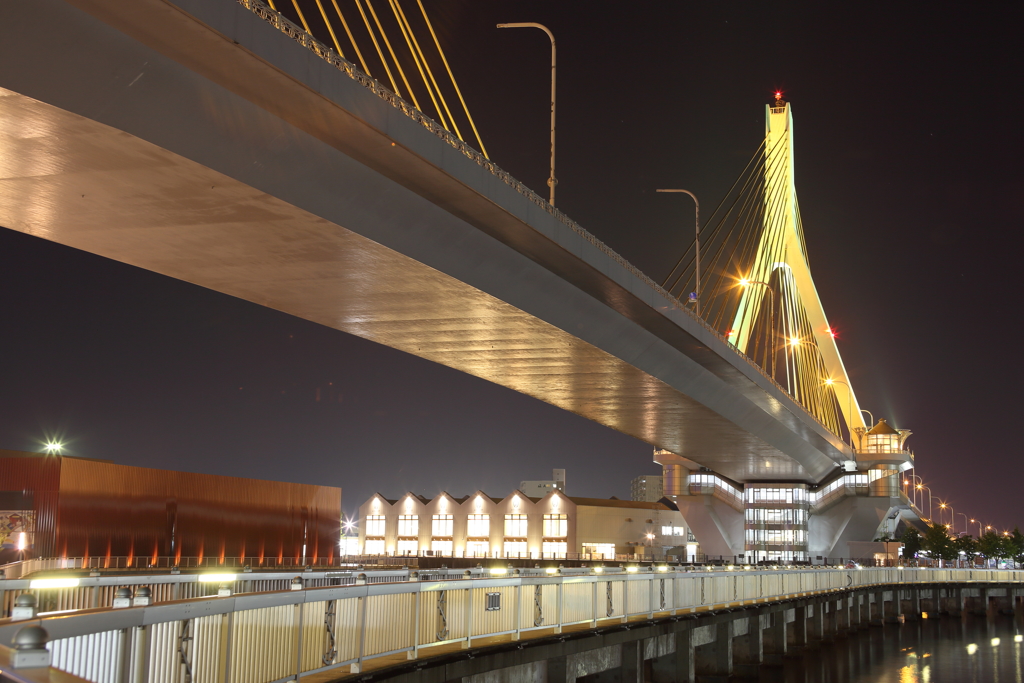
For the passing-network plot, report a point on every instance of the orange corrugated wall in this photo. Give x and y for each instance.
(94, 508)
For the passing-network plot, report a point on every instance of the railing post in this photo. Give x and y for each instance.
(469, 616)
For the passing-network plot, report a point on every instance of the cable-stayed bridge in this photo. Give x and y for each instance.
(218, 143)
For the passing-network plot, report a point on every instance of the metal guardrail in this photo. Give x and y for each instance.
(322, 50)
(265, 637)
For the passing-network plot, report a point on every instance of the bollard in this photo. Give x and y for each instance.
(297, 583)
(143, 596)
(123, 598)
(30, 648)
(224, 590)
(24, 607)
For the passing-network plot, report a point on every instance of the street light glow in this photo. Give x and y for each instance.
(52, 447)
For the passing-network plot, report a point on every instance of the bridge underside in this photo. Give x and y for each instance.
(184, 163)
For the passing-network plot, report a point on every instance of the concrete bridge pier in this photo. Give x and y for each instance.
(876, 608)
(748, 649)
(816, 622)
(953, 603)
(774, 641)
(679, 664)
(843, 606)
(713, 657)
(893, 609)
(859, 617)
(796, 631)
(910, 606)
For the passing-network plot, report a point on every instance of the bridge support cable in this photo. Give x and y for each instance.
(397, 62)
(756, 285)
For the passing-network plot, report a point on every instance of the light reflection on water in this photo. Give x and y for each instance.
(947, 650)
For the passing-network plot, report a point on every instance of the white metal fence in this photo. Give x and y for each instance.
(272, 636)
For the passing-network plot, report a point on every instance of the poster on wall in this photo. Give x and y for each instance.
(17, 529)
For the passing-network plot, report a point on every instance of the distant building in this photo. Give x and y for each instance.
(647, 487)
(519, 526)
(76, 507)
(539, 489)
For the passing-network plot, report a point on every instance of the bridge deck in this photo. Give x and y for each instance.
(194, 139)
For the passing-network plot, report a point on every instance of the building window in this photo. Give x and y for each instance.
(408, 547)
(441, 547)
(600, 550)
(441, 525)
(516, 548)
(479, 526)
(554, 549)
(515, 526)
(555, 526)
(408, 525)
(478, 548)
(374, 547)
(375, 525)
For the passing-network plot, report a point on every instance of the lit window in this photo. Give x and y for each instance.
(441, 525)
(408, 525)
(477, 548)
(441, 547)
(408, 547)
(374, 547)
(555, 526)
(666, 531)
(600, 550)
(678, 531)
(479, 526)
(375, 525)
(515, 526)
(554, 549)
(516, 549)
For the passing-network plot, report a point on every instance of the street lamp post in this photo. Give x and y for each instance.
(930, 497)
(978, 521)
(771, 318)
(849, 394)
(696, 244)
(916, 488)
(952, 515)
(530, 24)
(966, 530)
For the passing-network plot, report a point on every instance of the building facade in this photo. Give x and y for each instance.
(539, 489)
(95, 508)
(519, 526)
(647, 488)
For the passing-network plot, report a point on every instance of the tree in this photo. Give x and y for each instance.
(938, 543)
(911, 540)
(967, 545)
(1015, 544)
(991, 546)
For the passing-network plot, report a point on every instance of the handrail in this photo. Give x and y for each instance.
(326, 53)
(368, 620)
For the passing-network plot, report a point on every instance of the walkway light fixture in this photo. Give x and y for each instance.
(530, 24)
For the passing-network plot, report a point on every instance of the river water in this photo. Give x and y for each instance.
(937, 650)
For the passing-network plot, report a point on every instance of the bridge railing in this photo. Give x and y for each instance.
(270, 636)
(328, 54)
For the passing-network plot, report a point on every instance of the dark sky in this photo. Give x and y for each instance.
(908, 161)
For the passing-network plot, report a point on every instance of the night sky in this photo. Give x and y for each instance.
(908, 160)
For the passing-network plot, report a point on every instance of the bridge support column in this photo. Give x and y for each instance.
(894, 613)
(631, 670)
(558, 670)
(816, 622)
(843, 615)
(911, 607)
(714, 660)
(774, 638)
(796, 632)
(679, 665)
(955, 601)
(748, 650)
(877, 608)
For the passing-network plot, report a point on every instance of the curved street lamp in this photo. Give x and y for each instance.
(930, 497)
(696, 244)
(531, 24)
(744, 282)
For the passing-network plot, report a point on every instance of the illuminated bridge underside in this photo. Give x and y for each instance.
(264, 173)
